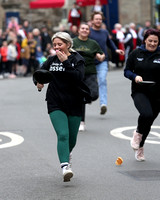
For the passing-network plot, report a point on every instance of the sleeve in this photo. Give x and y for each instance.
(110, 43)
(1, 51)
(130, 66)
(9, 53)
(80, 13)
(128, 37)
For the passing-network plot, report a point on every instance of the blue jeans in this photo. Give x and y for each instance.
(102, 69)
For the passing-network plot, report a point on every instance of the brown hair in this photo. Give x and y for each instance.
(84, 23)
(97, 13)
(149, 32)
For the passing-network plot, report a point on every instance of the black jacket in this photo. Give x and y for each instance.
(63, 91)
(146, 64)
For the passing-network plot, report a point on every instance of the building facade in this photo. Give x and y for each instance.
(126, 11)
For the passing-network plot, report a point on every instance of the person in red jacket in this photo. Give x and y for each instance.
(74, 16)
(3, 52)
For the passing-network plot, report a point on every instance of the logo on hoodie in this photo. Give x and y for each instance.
(140, 59)
(156, 61)
(56, 67)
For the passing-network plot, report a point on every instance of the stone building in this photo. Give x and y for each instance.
(137, 11)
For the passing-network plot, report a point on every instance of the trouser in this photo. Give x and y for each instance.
(10, 66)
(83, 112)
(66, 128)
(4, 67)
(91, 81)
(149, 109)
(102, 70)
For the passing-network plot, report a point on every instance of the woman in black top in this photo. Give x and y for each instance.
(63, 97)
(143, 64)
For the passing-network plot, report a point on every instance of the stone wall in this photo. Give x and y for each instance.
(137, 11)
(37, 17)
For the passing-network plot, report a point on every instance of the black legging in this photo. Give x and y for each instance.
(83, 112)
(149, 109)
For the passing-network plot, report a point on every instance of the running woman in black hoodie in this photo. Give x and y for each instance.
(63, 97)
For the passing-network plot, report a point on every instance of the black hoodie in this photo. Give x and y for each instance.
(62, 92)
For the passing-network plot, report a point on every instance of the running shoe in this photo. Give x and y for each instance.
(67, 173)
(103, 109)
(139, 154)
(82, 127)
(136, 139)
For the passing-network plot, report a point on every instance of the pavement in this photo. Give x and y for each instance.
(30, 168)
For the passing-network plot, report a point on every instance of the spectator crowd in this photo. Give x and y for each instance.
(23, 48)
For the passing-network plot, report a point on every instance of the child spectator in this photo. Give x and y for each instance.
(4, 61)
(25, 56)
(33, 63)
(11, 57)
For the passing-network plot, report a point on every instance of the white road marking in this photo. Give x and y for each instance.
(118, 132)
(15, 140)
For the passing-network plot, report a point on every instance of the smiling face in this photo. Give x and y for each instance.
(84, 31)
(151, 43)
(60, 45)
(97, 21)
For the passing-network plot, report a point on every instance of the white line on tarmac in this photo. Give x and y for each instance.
(118, 132)
(15, 140)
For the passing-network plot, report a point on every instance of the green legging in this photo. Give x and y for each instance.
(66, 128)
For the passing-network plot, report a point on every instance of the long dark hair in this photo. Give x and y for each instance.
(149, 32)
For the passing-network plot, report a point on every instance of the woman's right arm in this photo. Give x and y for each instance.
(130, 66)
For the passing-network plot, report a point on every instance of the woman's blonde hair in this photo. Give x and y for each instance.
(66, 38)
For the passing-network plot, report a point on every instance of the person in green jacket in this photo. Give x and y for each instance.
(89, 50)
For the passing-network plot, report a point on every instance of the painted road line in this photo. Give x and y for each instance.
(14, 140)
(120, 133)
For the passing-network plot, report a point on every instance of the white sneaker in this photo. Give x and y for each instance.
(136, 140)
(139, 154)
(82, 127)
(67, 173)
(103, 109)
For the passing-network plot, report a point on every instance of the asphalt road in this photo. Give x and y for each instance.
(30, 169)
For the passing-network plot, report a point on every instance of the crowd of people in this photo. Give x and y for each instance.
(23, 49)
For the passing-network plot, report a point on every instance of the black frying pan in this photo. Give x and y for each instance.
(42, 76)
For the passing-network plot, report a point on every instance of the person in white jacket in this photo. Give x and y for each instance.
(11, 57)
